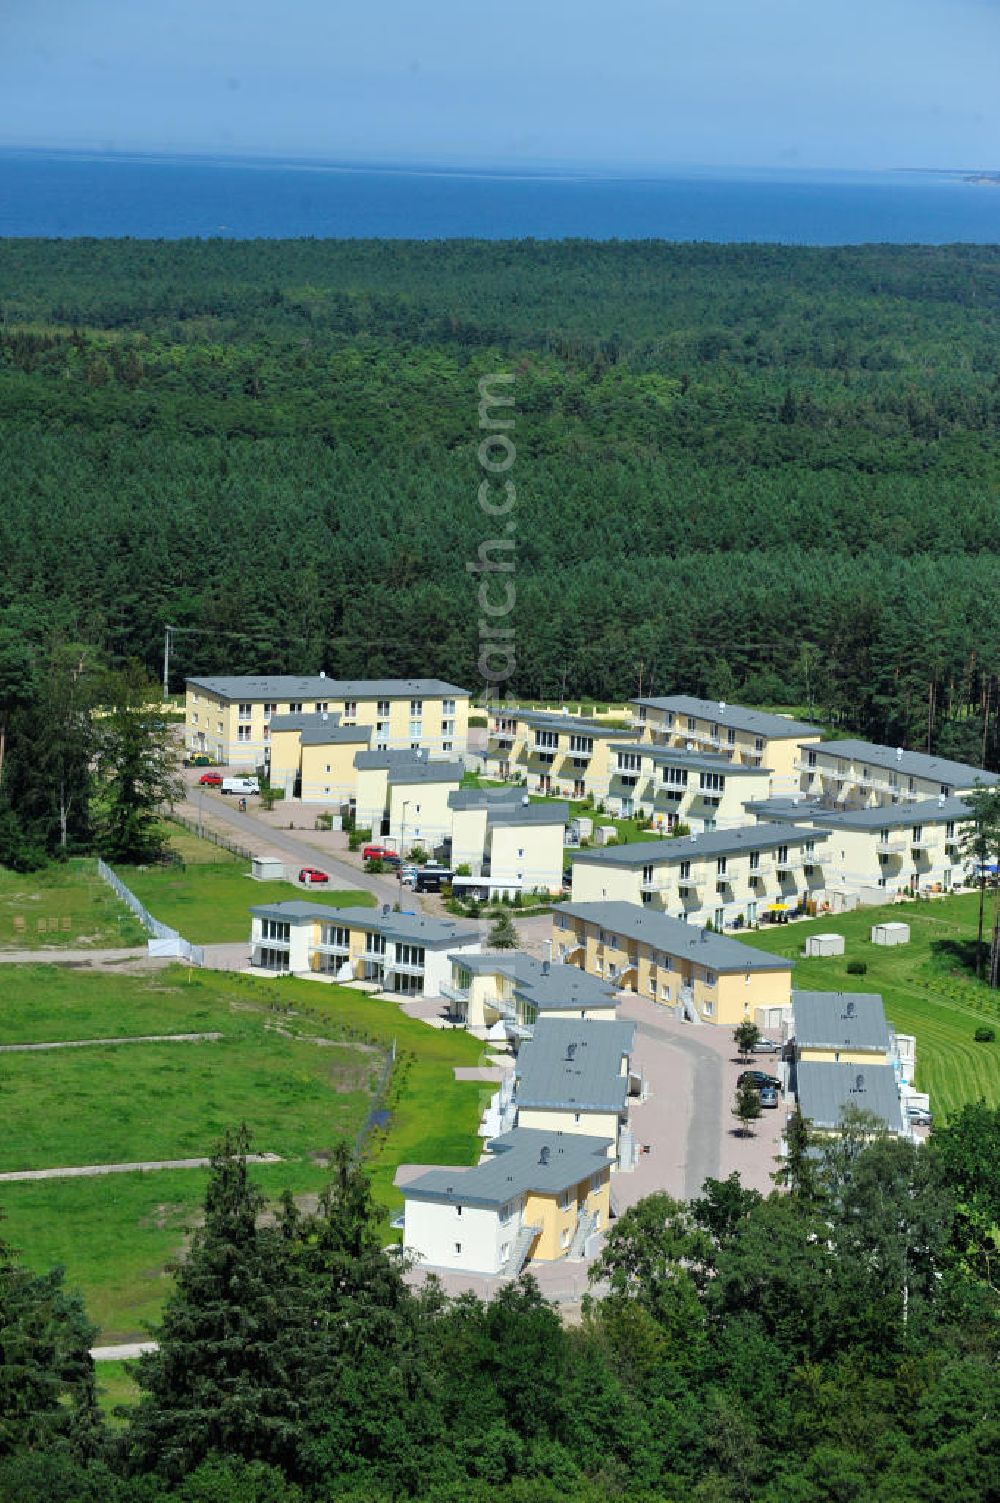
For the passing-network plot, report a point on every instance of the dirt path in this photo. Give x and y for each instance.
(127, 1351)
(51, 956)
(87, 1171)
(141, 1038)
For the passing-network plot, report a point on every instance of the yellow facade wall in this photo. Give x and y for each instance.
(558, 1222)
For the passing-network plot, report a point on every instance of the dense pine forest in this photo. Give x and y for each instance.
(834, 1342)
(755, 472)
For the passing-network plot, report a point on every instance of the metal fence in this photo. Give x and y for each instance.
(223, 841)
(162, 939)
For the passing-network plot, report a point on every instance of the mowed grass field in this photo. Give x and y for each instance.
(926, 991)
(65, 905)
(298, 1061)
(208, 897)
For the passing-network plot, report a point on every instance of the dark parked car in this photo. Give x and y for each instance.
(759, 1079)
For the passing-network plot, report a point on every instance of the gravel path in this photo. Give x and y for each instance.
(123, 1353)
(87, 1171)
(142, 1038)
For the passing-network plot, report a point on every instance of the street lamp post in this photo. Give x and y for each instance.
(402, 831)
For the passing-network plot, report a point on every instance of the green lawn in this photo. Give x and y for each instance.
(926, 993)
(209, 902)
(116, 1235)
(115, 1387)
(65, 904)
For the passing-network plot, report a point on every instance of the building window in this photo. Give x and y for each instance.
(714, 782)
(708, 1009)
(685, 871)
(244, 711)
(295, 707)
(720, 866)
(949, 829)
(709, 978)
(269, 710)
(194, 717)
(758, 745)
(458, 1247)
(416, 707)
(322, 707)
(918, 834)
(350, 709)
(447, 707)
(416, 731)
(242, 733)
(383, 709)
(458, 1210)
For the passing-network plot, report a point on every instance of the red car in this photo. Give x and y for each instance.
(312, 875)
(380, 853)
(211, 779)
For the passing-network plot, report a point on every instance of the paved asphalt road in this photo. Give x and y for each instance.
(264, 837)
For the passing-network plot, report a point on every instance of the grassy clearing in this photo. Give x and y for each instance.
(927, 992)
(115, 1388)
(117, 1235)
(209, 902)
(65, 905)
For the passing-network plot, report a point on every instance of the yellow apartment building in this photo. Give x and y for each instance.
(732, 878)
(841, 1028)
(550, 752)
(754, 738)
(402, 797)
(229, 718)
(574, 1076)
(673, 785)
(696, 974)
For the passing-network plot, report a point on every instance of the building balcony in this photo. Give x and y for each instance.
(379, 956)
(788, 866)
(894, 846)
(401, 967)
(341, 952)
(454, 993)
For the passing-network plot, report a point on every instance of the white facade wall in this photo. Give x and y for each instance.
(587, 1124)
(437, 966)
(526, 856)
(475, 1240)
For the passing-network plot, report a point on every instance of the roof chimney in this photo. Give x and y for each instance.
(722, 706)
(546, 967)
(325, 715)
(899, 754)
(322, 673)
(704, 936)
(543, 1157)
(386, 910)
(849, 1011)
(525, 799)
(571, 1052)
(859, 1083)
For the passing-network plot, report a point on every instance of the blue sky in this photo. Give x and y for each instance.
(627, 83)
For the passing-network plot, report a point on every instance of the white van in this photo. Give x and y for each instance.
(242, 786)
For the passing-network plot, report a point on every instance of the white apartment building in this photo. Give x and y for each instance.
(728, 877)
(398, 952)
(874, 853)
(860, 774)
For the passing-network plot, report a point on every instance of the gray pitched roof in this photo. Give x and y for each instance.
(674, 937)
(840, 1020)
(574, 1065)
(923, 811)
(825, 1090)
(558, 988)
(510, 806)
(679, 756)
(526, 1159)
(410, 767)
(913, 764)
(291, 686)
(411, 928)
(741, 718)
(669, 850)
(486, 798)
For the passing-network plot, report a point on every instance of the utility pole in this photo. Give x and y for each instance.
(641, 667)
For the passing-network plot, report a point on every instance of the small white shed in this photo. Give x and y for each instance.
(890, 934)
(582, 827)
(267, 869)
(605, 835)
(825, 944)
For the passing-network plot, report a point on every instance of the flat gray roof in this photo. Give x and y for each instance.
(560, 988)
(825, 1090)
(333, 735)
(574, 1064)
(302, 721)
(924, 811)
(674, 937)
(840, 1020)
(740, 717)
(486, 798)
(679, 756)
(526, 1159)
(410, 928)
(510, 806)
(410, 767)
(913, 764)
(552, 720)
(668, 850)
(313, 686)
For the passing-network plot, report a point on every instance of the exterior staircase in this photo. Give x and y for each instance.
(586, 1224)
(519, 1253)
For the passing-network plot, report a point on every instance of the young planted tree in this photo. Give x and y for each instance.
(503, 933)
(746, 1108)
(746, 1036)
(980, 845)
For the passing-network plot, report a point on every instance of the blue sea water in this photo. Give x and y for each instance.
(64, 193)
